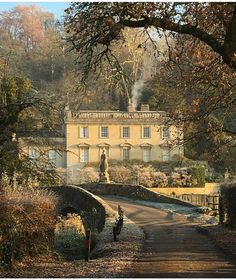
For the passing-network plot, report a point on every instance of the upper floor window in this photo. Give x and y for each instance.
(104, 132)
(84, 154)
(125, 132)
(146, 132)
(52, 157)
(84, 132)
(165, 132)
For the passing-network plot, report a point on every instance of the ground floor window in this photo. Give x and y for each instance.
(84, 154)
(52, 157)
(33, 154)
(166, 155)
(126, 153)
(146, 154)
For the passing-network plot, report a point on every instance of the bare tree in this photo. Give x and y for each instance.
(92, 27)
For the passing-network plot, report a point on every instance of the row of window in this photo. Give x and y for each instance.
(125, 132)
(34, 154)
(84, 154)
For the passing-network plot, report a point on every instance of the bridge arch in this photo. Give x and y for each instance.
(75, 199)
(68, 210)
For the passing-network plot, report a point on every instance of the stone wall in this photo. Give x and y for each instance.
(81, 200)
(131, 191)
(209, 189)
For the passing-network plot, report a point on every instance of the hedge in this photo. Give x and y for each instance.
(227, 209)
(198, 175)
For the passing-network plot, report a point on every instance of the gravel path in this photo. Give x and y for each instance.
(173, 247)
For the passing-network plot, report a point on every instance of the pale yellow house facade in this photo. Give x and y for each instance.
(125, 135)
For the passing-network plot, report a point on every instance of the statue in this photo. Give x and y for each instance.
(103, 175)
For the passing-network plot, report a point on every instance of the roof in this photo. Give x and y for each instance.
(89, 116)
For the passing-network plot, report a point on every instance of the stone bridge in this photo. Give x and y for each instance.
(74, 199)
(83, 198)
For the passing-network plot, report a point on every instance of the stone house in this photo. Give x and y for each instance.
(124, 135)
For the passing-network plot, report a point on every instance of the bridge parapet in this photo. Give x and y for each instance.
(132, 191)
(77, 199)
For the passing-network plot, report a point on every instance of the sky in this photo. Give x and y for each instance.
(54, 7)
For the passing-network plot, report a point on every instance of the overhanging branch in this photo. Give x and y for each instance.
(182, 29)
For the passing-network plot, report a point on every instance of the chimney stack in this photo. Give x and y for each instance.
(145, 107)
(130, 106)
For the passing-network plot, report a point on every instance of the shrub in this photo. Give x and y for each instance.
(144, 174)
(160, 179)
(27, 220)
(88, 175)
(227, 205)
(178, 179)
(149, 177)
(198, 175)
(120, 174)
(70, 237)
(141, 174)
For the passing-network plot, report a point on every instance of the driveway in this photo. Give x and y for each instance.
(173, 247)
